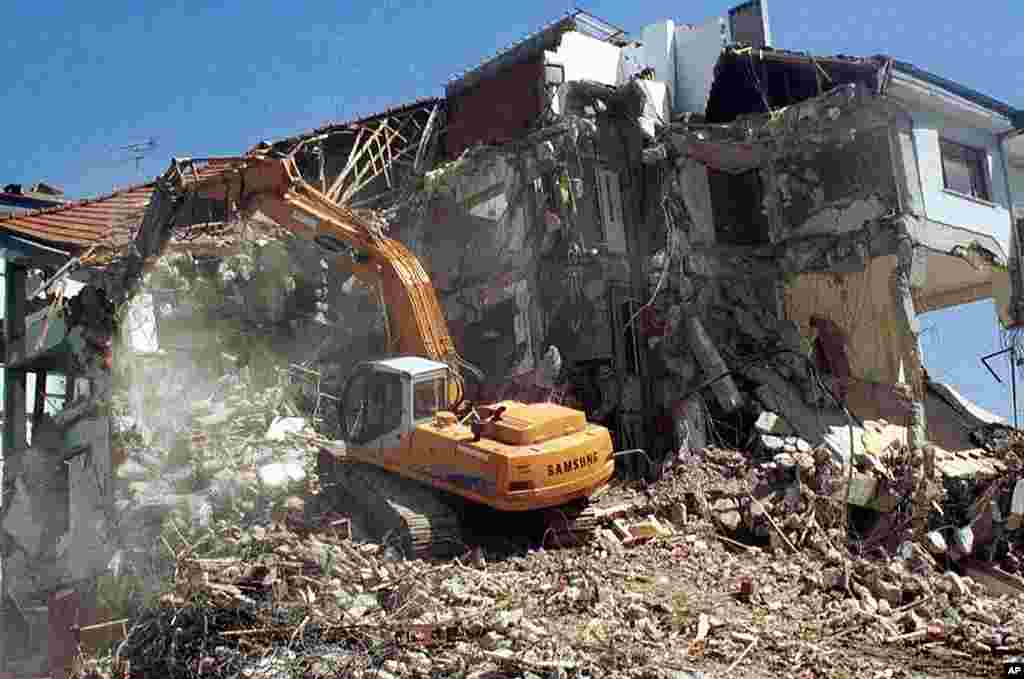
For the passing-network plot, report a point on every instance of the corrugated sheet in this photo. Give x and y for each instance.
(108, 219)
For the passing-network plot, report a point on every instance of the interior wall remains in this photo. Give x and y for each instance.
(863, 306)
(834, 187)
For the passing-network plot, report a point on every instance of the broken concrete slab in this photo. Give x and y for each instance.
(829, 426)
(771, 423)
(279, 474)
(973, 415)
(20, 521)
(868, 491)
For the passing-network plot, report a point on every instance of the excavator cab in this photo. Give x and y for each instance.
(387, 398)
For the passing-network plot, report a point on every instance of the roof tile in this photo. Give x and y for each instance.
(107, 219)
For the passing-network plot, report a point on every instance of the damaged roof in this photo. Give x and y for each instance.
(11, 202)
(78, 225)
(1014, 114)
(335, 126)
(754, 80)
(749, 81)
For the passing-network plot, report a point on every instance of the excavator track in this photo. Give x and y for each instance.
(568, 526)
(397, 511)
(423, 522)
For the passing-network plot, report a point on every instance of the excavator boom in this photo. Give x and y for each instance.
(274, 186)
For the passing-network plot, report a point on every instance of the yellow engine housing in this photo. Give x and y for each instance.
(535, 456)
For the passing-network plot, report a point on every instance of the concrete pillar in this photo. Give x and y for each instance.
(14, 439)
(909, 327)
(711, 361)
(696, 193)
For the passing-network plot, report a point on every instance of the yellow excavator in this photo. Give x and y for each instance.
(416, 456)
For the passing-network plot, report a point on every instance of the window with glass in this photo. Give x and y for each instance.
(429, 396)
(372, 406)
(964, 170)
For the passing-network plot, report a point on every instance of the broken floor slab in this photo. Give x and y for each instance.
(816, 425)
(951, 419)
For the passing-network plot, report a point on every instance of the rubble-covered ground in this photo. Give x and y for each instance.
(661, 591)
(230, 563)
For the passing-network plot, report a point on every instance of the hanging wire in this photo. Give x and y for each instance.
(757, 82)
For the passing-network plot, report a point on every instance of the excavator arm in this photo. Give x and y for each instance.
(540, 460)
(274, 186)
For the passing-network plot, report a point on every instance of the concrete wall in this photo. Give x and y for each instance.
(862, 304)
(993, 218)
(495, 243)
(684, 55)
(90, 538)
(836, 187)
(1017, 188)
(587, 58)
(749, 23)
(697, 49)
(658, 52)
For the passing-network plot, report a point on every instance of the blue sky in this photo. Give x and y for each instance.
(214, 78)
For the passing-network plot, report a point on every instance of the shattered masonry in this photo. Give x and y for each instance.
(722, 276)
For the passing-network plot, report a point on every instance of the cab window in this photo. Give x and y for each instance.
(373, 406)
(429, 397)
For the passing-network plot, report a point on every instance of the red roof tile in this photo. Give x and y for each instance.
(107, 219)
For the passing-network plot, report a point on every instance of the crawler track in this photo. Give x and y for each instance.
(423, 522)
(568, 526)
(399, 512)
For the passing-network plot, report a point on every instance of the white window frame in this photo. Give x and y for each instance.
(977, 160)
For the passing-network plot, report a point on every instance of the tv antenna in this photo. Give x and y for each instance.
(138, 150)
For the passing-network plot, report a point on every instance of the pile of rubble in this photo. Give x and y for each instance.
(733, 560)
(663, 591)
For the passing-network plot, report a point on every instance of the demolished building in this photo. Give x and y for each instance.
(680, 218)
(561, 165)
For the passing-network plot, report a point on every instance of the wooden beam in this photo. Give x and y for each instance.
(357, 154)
(340, 179)
(425, 136)
(360, 183)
